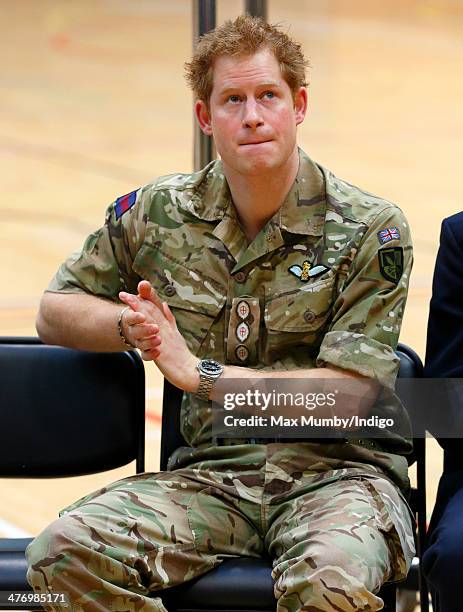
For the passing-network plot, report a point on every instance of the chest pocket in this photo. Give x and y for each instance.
(297, 317)
(195, 299)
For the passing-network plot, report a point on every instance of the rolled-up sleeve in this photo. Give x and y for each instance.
(368, 312)
(103, 266)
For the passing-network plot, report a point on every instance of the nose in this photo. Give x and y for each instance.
(252, 117)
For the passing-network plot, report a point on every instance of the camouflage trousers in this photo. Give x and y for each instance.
(334, 535)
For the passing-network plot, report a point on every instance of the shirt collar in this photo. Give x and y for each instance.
(302, 212)
(304, 208)
(211, 194)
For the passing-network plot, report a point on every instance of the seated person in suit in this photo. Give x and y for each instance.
(443, 559)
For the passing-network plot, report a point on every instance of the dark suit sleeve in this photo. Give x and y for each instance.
(444, 351)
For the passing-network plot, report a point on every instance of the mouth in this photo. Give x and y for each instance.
(253, 144)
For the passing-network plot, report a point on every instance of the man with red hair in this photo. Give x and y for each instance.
(261, 265)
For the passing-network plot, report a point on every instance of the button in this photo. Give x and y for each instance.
(170, 290)
(240, 277)
(309, 316)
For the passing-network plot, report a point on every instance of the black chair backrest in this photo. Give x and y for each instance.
(171, 437)
(66, 412)
(412, 367)
(410, 363)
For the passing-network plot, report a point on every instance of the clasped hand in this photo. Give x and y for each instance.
(149, 324)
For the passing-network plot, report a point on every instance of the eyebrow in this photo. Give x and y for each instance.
(228, 88)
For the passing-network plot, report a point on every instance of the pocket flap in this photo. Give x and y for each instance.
(179, 286)
(302, 308)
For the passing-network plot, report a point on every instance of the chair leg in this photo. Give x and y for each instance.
(388, 594)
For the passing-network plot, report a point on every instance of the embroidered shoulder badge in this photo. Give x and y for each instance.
(391, 263)
(125, 203)
(306, 271)
(390, 233)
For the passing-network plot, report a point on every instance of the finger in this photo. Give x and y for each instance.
(150, 355)
(145, 330)
(134, 318)
(144, 289)
(155, 341)
(130, 300)
(147, 292)
(146, 344)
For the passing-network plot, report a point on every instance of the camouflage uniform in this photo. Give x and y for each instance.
(332, 516)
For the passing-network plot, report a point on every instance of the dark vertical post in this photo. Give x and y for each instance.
(203, 21)
(256, 8)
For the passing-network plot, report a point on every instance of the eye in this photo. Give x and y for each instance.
(268, 94)
(233, 99)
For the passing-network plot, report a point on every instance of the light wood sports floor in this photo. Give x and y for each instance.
(93, 104)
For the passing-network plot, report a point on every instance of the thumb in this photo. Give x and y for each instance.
(147, 292)
(168, 313)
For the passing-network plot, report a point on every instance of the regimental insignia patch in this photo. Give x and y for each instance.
(391, 263)
(305, 272)
(242, 352)
(243, 310)
(390, 233)
(242, 332)
(125, 203)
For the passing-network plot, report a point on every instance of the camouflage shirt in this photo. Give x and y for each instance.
(324, 282)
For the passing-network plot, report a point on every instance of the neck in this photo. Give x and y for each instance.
(258, 197)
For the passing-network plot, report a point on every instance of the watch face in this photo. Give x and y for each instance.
(210, 367)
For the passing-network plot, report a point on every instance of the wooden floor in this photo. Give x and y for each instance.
(93, 104)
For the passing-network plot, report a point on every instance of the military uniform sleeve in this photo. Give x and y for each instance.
(368, 312)
(104, 265)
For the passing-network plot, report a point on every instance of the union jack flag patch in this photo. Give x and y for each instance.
(390, 233)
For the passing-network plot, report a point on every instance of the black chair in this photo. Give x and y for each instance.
(64, 394)
(412, 367)
(65, 413)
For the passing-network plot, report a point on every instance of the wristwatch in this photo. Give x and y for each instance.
(209, 371)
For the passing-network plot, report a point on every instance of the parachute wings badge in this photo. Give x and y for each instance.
(306, 271)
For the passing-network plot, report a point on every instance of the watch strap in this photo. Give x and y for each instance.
(205, 387)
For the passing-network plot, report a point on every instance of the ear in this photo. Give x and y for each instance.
(300, 105)
(203, 117)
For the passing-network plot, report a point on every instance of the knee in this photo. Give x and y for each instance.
(327, 583)
(59, 545)
(54, 541)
